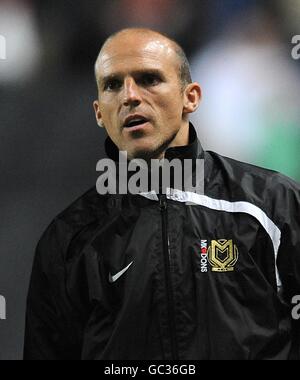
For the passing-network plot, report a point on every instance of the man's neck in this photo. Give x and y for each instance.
(181, 139)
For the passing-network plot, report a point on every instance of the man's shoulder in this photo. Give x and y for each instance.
(262, 185)
(236, 168)
(84, 210)
(80, 215)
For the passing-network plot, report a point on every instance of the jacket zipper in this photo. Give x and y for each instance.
(167, 261)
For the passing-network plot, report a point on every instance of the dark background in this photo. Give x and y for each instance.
(49, 140)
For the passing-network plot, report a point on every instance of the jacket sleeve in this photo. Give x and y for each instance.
(48, 331)
(287, 208)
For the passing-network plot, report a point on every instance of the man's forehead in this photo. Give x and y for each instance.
(140, 41)
(151, 50)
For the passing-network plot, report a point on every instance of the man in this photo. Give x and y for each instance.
(176, 276)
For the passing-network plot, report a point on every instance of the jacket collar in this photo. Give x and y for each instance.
(193, 150)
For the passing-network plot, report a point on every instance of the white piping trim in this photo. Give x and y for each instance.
(231, 207)
(151, 195)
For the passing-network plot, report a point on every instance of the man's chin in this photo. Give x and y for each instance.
(144, 154)
(143, 149)
(150, 152)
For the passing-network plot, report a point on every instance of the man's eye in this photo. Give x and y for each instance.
(150, 80)
(112, 85)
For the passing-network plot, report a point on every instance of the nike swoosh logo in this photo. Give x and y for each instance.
(114, 278)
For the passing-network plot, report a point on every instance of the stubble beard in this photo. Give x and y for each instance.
(153, 154)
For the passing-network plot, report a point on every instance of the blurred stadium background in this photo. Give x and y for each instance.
(240, 51)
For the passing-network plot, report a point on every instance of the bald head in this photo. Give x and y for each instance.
(145, 93)
(127, 36)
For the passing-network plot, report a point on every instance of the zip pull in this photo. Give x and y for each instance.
(163, 202)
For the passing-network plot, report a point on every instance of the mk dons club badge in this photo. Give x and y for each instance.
(223, 255)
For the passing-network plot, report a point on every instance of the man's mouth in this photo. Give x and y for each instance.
(135, 121)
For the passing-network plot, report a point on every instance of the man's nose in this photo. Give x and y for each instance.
(132, 96)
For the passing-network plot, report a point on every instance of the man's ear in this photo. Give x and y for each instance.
(192, 98)
(98, 113)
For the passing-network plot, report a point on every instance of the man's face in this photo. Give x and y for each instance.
(140, 94)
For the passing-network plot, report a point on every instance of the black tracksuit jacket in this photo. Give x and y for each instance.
(183, 276)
